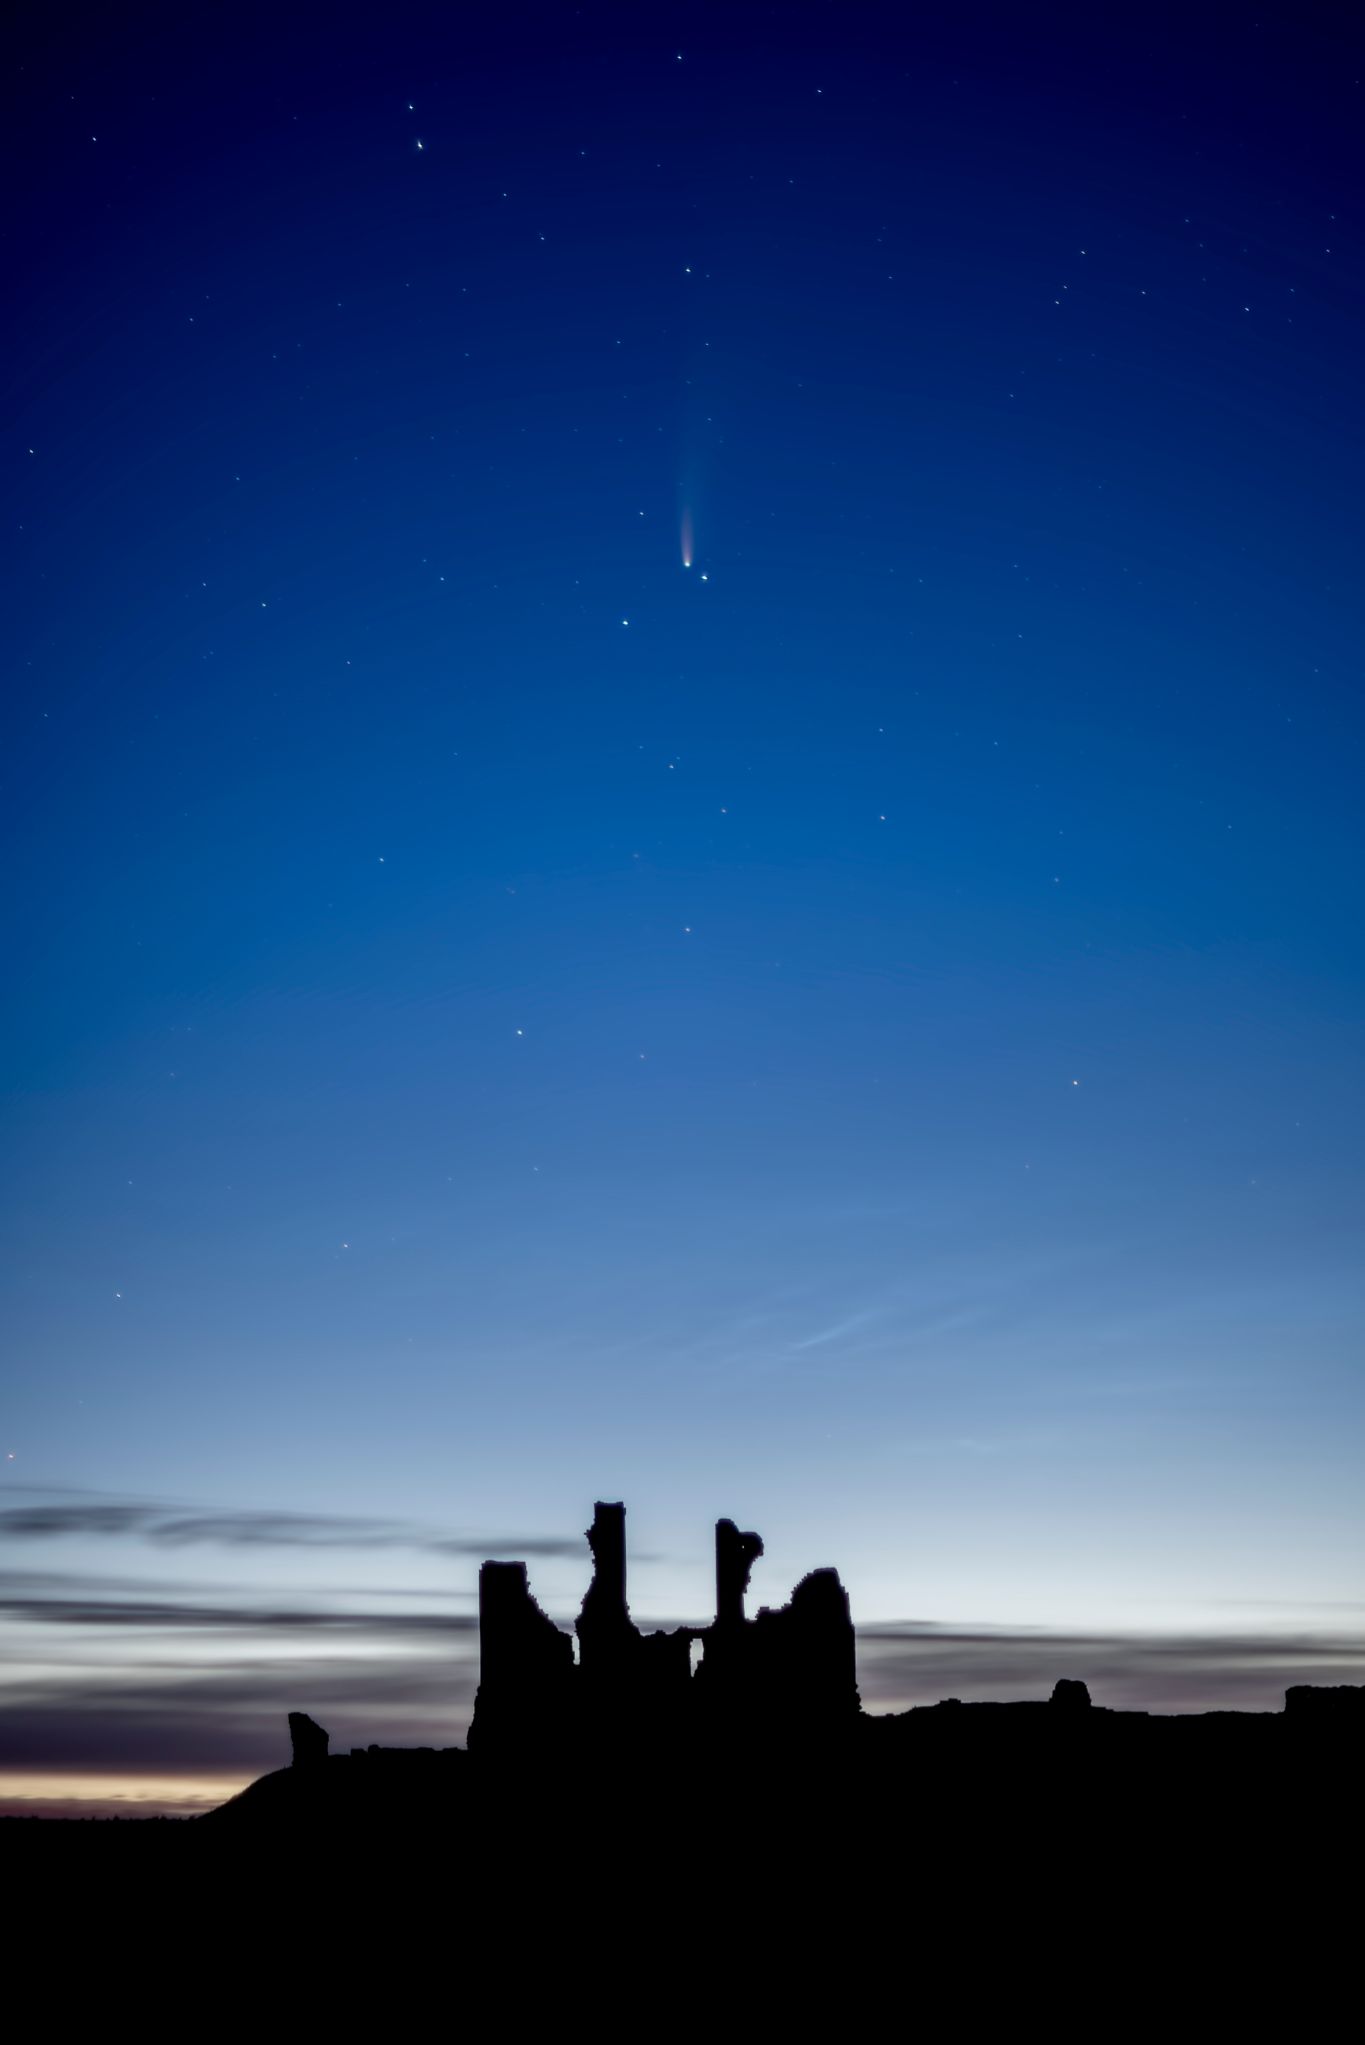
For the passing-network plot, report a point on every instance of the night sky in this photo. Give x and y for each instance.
(681, 785)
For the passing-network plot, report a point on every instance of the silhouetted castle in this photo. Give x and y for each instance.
(763, 1713)
(790, 1672)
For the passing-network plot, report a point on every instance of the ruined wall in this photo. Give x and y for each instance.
(526, 1667)
(792, 1670)
(806, 1655)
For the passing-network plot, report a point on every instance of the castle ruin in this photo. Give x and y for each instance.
(786, 1673)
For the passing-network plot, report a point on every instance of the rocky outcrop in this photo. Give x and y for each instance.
(307, 1739)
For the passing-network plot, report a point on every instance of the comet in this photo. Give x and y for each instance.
(687, 539)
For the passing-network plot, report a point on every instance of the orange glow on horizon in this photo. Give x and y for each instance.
(50, 1788)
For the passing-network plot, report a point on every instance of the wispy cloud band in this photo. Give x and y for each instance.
(176, 1527)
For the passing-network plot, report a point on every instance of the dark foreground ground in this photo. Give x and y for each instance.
(989, 1870)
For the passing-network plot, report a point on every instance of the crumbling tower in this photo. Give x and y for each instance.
(605, 1632)
(634, 1684)
(736, 1555)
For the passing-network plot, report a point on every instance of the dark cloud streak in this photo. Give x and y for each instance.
(154, 1614)
(174, 1526)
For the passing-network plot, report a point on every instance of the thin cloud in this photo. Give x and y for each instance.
(175, 1527)
(838, 1331)
(91, 1585)
(149, 1614)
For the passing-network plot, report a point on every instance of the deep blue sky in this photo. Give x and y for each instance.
(861, 1032)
